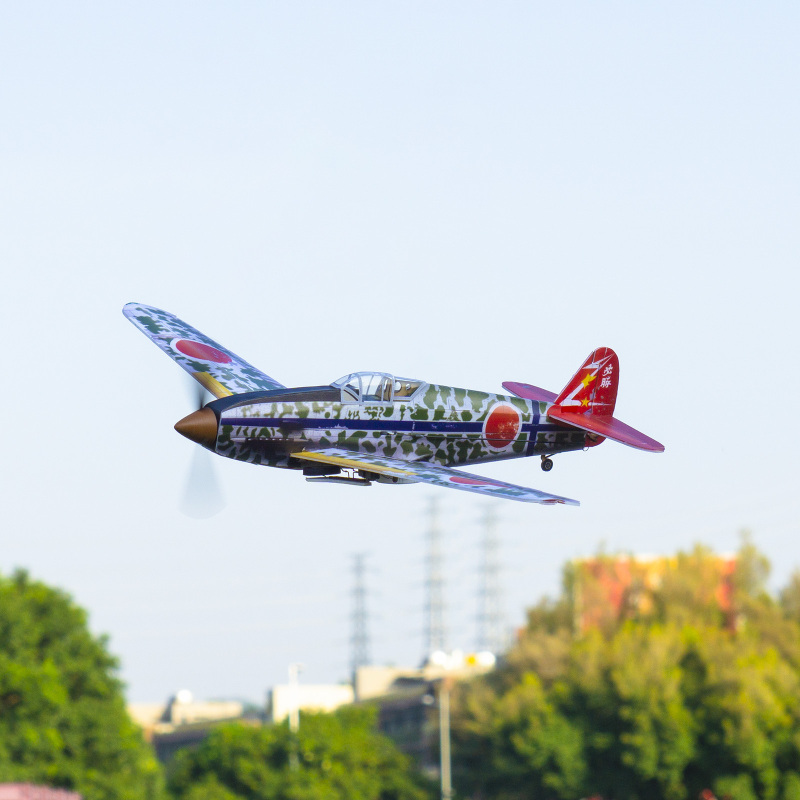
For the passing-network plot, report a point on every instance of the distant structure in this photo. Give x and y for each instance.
(359, 641)
(183, 709)
(491, 619)
(183, 721)
(284, 699)
(435, 633)
(406, 700)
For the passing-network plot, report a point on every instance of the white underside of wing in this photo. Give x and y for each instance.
(422, 472)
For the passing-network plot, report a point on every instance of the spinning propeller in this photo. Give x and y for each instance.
(202, 495)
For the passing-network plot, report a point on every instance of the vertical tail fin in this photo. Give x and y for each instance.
(588, 401)
(593, 388)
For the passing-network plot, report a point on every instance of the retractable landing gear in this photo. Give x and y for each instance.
(547, 463)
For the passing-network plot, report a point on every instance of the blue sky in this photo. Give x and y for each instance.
(466, 193)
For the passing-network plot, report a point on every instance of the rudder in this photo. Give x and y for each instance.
(587, 402)
(592, 389)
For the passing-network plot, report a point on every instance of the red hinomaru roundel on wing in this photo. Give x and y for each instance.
(202, 351)
(502, 426)
(469, 481)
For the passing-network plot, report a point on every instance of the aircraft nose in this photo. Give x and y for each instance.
(199, 426)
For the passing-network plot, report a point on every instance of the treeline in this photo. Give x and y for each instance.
(679, 693)
(338, 756)
(691, 685)
(63, 723)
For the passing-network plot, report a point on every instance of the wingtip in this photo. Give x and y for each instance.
(559, 501)
(130, 309)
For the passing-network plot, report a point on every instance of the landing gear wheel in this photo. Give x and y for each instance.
(547, 463)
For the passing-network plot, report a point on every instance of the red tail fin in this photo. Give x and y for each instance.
(593, 388)
(588, 401)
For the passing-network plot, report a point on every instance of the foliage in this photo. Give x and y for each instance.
(63, 720)
(671, 698)
(337, 755)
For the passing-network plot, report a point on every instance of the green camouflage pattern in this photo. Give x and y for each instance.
(309, 425)
(225, 368)
(417, 433)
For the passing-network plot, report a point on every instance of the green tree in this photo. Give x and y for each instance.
(337, 755)
(677, 693)
(63, 720)
(790, 597)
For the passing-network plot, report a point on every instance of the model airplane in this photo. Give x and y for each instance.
(372, 426)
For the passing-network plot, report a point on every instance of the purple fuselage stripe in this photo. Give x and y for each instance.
(389, 426)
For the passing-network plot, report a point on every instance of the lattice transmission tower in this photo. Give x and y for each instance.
(435, 630)
(491, 619)
(359, 641)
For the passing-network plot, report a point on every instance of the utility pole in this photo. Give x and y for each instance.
(435, 637)
(491, 620)
(294, 711)
(360, 639)
(441, 697)
(444, 738)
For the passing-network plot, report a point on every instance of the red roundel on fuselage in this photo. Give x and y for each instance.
(202, 351)
(502, 426)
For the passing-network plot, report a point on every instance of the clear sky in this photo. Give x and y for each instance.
(464, 192)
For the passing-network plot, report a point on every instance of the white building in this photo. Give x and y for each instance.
(285, 698)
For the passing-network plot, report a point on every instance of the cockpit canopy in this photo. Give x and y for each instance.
(375, 387)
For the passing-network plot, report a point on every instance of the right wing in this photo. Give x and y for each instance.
(219, 370)
(422, 472)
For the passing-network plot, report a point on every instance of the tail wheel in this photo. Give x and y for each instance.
(547, 463)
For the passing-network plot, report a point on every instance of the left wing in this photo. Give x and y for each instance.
(422, 472)
(219, 370)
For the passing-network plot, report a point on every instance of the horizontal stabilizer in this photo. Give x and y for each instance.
(609, 427)
(528, 392)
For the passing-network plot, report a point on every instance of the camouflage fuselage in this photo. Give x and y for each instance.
(440, 424)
